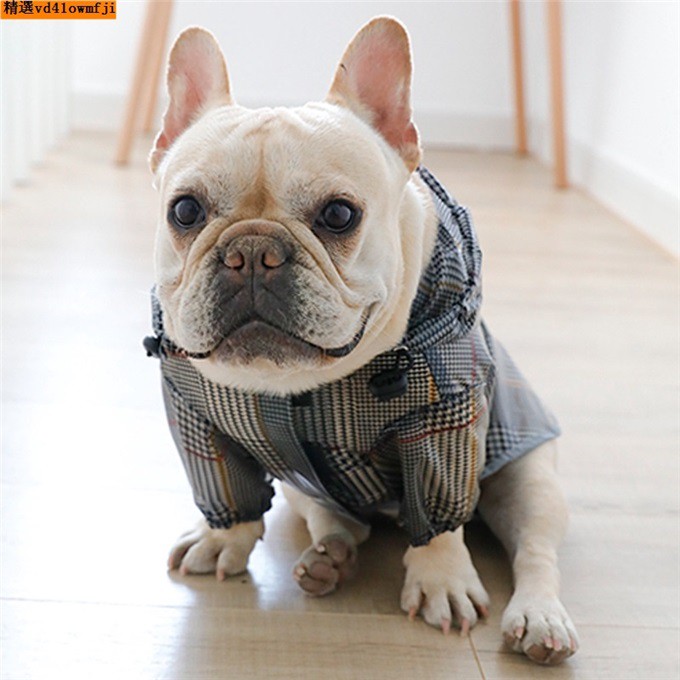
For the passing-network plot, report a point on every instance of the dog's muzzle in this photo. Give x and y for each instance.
(258, 306)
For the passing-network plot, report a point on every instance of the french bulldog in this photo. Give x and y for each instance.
(316, 315)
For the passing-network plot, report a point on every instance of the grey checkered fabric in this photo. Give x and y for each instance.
(467, 412)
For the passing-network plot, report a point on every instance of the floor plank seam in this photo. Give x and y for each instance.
(476, 655)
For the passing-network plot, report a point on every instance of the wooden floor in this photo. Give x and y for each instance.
(93, 493)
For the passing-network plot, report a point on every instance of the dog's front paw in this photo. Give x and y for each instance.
(223, 552)
(325, 566)
(442, 583)
(540, 628)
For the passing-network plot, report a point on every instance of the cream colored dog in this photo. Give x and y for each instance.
(265, 176)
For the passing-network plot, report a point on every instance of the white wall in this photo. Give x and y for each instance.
(622, 91)
(35, 82)
(286, 52)
(621, 70)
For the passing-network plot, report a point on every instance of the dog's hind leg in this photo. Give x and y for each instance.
(332, 557)
(524, 506)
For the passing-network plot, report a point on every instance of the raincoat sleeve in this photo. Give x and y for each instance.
(442, 453)
(228, 484)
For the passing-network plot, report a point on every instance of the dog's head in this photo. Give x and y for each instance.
(290, 241)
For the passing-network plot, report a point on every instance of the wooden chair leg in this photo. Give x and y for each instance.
(157, 56)
(518, 71)
(140, 75)
(554, 11)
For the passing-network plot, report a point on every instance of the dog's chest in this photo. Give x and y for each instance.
(338, 439)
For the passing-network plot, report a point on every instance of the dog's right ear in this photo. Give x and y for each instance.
(197, 81)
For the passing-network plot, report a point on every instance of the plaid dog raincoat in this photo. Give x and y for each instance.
(465, 412)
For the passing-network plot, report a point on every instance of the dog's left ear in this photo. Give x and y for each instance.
(373, 79)
(197, 82)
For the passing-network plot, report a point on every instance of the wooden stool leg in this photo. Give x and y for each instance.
(158, 53)
(139, 77)
(518, 70)
(554, 9)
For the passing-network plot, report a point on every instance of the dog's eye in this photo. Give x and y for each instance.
(187, 213)
(337, 216)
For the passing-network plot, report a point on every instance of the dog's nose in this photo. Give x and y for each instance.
(255, 254)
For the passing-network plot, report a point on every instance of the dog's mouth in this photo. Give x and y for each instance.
(259, 338)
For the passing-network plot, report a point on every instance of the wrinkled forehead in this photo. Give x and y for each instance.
(317, 148)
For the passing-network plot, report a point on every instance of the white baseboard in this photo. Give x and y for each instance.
(103, 111)
(652, 209)
(465, 131)
(623, 189)
(100, 111)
